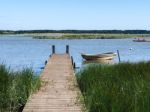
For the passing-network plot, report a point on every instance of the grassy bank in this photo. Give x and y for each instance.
(91, 36)
(15, 88)
(78, 36)
(116, 88)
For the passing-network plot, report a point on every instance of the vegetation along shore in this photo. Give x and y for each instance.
(15, 88)
(79, 34)
(123, 87)
(91, 36)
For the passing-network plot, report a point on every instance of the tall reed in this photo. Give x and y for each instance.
(15, 88)
(122, 87)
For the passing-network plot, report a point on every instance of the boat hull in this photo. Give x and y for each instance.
(104, 56)
(141, 40)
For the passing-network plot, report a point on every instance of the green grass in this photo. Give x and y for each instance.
(92, 36)
(15, 88)
(122, 87)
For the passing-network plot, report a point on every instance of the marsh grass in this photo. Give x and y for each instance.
(122, 87)
(15, 88)
(92, 36)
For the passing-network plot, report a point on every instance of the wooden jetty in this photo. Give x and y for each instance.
(59, 91)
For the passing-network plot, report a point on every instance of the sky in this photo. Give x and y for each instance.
(74, 14)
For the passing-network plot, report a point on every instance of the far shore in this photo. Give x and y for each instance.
(78, 35)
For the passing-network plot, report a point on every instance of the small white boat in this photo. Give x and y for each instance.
(103, 56)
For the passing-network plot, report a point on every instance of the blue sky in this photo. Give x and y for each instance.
(74, 14)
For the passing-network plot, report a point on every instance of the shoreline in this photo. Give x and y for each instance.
(78, 36)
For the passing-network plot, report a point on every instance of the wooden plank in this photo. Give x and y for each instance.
(59, 92)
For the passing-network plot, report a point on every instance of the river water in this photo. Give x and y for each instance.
(19, 52)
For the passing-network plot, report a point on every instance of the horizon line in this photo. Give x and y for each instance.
(75, 29)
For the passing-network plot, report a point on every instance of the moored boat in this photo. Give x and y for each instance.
(103, 56)
(141, 40)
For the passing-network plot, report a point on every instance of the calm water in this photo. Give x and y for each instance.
(19, 52)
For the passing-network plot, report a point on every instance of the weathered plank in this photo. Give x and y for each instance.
(59, 92)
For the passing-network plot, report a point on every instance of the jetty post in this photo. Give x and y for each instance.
(74, 65)
(118, 56)
(53, 49)
(72, 60)
(67, 49)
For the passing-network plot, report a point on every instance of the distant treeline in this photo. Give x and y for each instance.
(77, 31)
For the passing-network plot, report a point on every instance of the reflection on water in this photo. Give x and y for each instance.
(98, 61)
(19, 52)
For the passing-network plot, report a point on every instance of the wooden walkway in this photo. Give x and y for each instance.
(59, 91)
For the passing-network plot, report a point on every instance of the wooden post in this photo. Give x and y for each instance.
(118, 56)
(45, 62)
(74, 65)
(72, 60)
(53, 49)
(67, 49)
